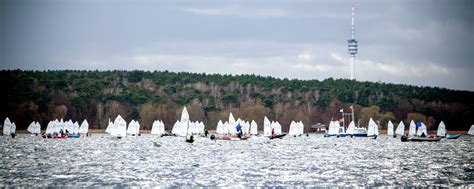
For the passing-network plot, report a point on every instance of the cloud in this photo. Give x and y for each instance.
(305, 56)
(238, 11)
(412, 70)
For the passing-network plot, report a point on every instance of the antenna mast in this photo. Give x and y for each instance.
(352, 44)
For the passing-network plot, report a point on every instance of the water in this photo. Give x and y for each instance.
(304, 161)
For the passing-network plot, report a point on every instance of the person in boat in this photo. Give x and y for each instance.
(61, 132)
(239, 130)
(423, 135)
(273, 132)
(206, 132)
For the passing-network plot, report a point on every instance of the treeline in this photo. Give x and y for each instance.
(146, 96)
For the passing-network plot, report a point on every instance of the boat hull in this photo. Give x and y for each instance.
(231, 137)
(55, 137)
(454, 136)
(277, 136)
(419, 139)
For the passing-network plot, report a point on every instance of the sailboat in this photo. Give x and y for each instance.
(333, 129)
(471, 130)
(373, 129)
(390, 128)
(84, 128)
(9, 128)
(158, 128)
(441, 132)
(400, 129)
(133, 128)
(253, 128)
(34, 128)
(120, 128)
(267, 128)
(184, 122)
(273, 129)
(293, 131)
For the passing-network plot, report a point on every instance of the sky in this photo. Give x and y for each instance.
(422, 42)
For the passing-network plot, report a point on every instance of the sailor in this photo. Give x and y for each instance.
(206, 132)
(239, 130)
(273, 132)
(61, 132)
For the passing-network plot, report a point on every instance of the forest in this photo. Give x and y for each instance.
(161, 95)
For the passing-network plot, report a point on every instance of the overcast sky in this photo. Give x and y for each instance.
(416, 42)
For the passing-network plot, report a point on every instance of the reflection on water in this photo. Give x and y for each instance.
(310, 161)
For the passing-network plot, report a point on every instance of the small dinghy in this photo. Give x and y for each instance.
(454, 136)
(229, 137)
(190, 139)
(277, 136)
(55, 136)
(419, 139)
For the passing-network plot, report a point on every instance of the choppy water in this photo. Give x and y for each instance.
(305, 161)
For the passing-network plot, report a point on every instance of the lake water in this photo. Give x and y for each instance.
(148, 160)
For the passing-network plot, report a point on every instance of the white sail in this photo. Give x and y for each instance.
(7, 126)
(301, 127)
(333, 127)
(34, 128)
(246, 127)
(162, 127)
(267, 128)
(158, 128)
(13, 128)
(50, 128)
(31, 127)
(155, 128)
(76, 128)
(351, 128)
(400, 129)
(226, 128)
(390, 128)
(68, 127)
(220, 127)
(84, 128)
(110, 127)
(202, 127)
(293, 131)
(441, 129)
(120, 129)
(373, 129)
(133, 127)
(253, 128)
(412, 130)
(184, 115)
(277, 128)
(471, 130)
(232, 120)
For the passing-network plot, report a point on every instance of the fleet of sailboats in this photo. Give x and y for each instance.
(231, 129)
